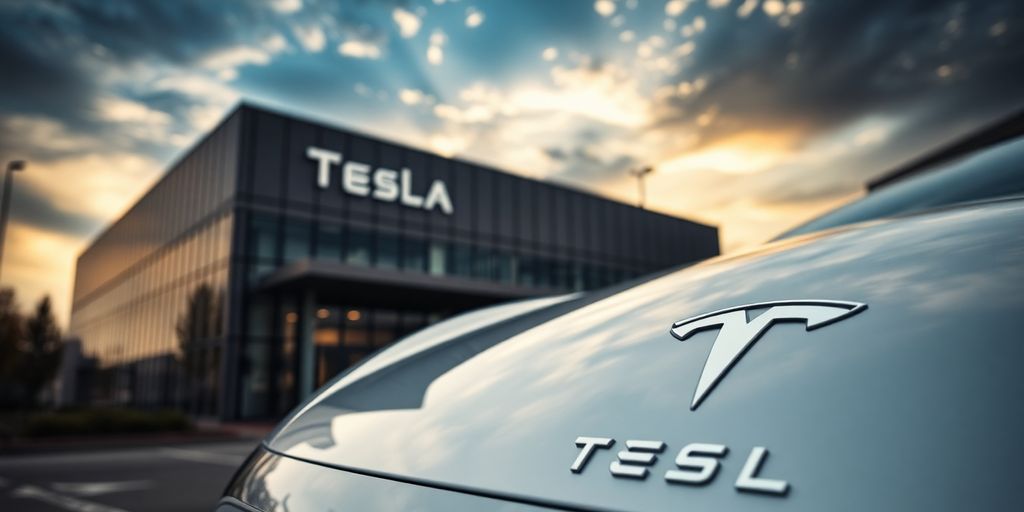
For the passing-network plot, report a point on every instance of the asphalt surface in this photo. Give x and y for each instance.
(180, 478)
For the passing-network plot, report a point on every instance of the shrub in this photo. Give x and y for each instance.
(76, 422)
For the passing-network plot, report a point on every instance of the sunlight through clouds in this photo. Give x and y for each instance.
(312, 38)
(604, 7)
(286, 6)
(474, 17)
(674, 8)
(408, 23)
(120, 110)
(734, 99)
(359, 49)
(435, 52)
(31, 268)
(746, 8)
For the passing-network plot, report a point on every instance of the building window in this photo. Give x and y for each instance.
(561, 276)
(296, 240)
(527, 271)
(263, 237)
(578, 272)
(327, 342)
(356, 335)
(385, 327)
(437, 259)
(483, 263)
(505, 267)
(462, 260)
(357, 251)
(328, 242)
(414, 254)
(257, 270)
(412, 321)
(387, 255)
(288, 354)
(256, 370)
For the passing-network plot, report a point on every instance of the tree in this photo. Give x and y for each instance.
(11, 331)
(197, 329)
(40, 351)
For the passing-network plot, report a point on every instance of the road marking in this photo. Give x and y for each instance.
(97, 488)
(64, 502)
(208, 457)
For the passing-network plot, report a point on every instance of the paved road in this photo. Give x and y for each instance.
(179, 478)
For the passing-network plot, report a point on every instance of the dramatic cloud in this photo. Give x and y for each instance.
(359, 49)
(408, 23)
(435, 52)
(756, 114)
(312, 38)
(474, 17)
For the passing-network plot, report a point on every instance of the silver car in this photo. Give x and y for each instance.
(872, 359)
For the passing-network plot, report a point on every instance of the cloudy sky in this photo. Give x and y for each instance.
(757, 114)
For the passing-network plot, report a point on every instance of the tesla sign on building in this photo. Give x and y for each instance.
(383, 184)
(277, 252)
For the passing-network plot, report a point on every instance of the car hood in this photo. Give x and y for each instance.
(912, 402)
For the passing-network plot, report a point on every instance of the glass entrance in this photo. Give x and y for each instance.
(343, 335)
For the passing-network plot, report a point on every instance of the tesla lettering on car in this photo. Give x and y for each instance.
(696, 463)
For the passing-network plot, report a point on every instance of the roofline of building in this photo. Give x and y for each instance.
(245, 104)
(248, 104)
(1006, 128)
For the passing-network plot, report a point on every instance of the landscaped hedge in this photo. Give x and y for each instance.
(75, 422)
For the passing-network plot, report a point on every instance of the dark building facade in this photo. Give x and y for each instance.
(277, 252)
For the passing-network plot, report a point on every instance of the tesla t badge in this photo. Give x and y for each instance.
(741, 326)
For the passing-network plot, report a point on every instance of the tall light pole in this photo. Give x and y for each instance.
(641, 173)
(5, 209)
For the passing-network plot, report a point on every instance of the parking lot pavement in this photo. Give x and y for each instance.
(182, 477)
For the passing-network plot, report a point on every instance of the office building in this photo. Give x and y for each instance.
(278, 251)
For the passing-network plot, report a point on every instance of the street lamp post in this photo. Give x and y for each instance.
(641, 173)
(5, 208)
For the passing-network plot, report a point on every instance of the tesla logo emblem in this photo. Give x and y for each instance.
(741, 326)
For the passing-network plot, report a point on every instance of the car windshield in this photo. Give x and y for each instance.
(994, 172)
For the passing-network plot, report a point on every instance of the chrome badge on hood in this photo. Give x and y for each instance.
(741, 326)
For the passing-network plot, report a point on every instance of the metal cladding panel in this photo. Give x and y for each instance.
(229, 141)
(663, 243)
(268, 156)
(392, 158)
(483, 201)
(330, 201)
(544, 202)
(579, 223)
(416, 162)
(505, 209)
(614, 232)
(651, 247)
(362, 150)
(593, 216)
(299, 184)
(525, 196)
(462, 196)
(632, 236)
(562, 219)
(677, 241)
(442, 169)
